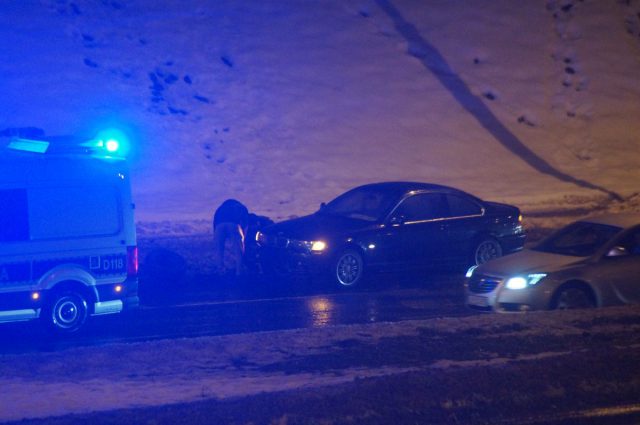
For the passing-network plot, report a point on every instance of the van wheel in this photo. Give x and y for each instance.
(66, 312)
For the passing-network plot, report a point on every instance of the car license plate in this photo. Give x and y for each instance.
(478, 300)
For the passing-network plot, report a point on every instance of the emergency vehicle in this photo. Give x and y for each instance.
(67, 234)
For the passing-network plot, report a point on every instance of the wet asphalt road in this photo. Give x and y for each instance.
(252, 307)
(218, 311)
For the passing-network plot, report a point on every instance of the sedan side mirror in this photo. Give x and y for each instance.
(396, 220)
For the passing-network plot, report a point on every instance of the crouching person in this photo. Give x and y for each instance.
(230, 223)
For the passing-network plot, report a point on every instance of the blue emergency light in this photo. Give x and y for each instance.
(112, 145)
(113, 141)
(107, 144)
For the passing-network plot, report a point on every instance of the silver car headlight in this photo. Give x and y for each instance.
(522, 282)
(470, 271)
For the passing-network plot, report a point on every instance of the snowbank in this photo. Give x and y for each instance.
(285, 104)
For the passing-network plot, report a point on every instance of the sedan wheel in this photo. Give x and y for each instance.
(349, 268)
(487, 250)
(573, 297)
(67, 312)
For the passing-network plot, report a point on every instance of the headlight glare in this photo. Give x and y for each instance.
(521, 282)
(318, 246)
(470, 271)
(517, 282)
(536, 277)
(308, 246)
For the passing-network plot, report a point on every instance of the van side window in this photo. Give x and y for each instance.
(71, 212)
(14, 221)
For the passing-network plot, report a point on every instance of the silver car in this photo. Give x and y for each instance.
(590, 263)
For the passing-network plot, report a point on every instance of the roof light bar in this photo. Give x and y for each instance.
(107, 144)
(27, 145)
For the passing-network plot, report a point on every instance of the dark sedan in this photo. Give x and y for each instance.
(391, 226)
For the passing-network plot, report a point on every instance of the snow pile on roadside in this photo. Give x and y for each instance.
(286, 104)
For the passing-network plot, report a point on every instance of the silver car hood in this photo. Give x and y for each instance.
(528, 261)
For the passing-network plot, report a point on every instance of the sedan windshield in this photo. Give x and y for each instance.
(363, 203)
(580, 239)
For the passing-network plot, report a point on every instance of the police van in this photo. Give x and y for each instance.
(67, 234)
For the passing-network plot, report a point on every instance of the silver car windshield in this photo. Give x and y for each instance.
(580, 239)
(363, 203)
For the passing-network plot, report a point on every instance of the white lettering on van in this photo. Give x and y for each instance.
(4, 274)
(112, 264)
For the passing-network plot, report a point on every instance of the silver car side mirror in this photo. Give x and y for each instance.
(617, 251)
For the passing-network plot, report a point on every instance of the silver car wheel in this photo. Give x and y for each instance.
(573, 298)
(349, 268)
(487, 250)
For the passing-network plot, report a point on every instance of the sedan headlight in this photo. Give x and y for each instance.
(522, 282)
(313, 246)
(318, 246)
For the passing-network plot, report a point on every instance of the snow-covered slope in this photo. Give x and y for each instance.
(284, 104)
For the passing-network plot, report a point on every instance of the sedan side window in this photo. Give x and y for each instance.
(421, 207)
(462, 207)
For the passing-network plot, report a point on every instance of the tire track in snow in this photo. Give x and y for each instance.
(432, 59)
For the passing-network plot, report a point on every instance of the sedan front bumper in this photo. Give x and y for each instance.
(288, 261)
(489, 293)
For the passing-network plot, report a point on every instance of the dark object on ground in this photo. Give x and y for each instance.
(162, 273)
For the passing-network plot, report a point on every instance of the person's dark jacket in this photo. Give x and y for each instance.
(231, 211)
